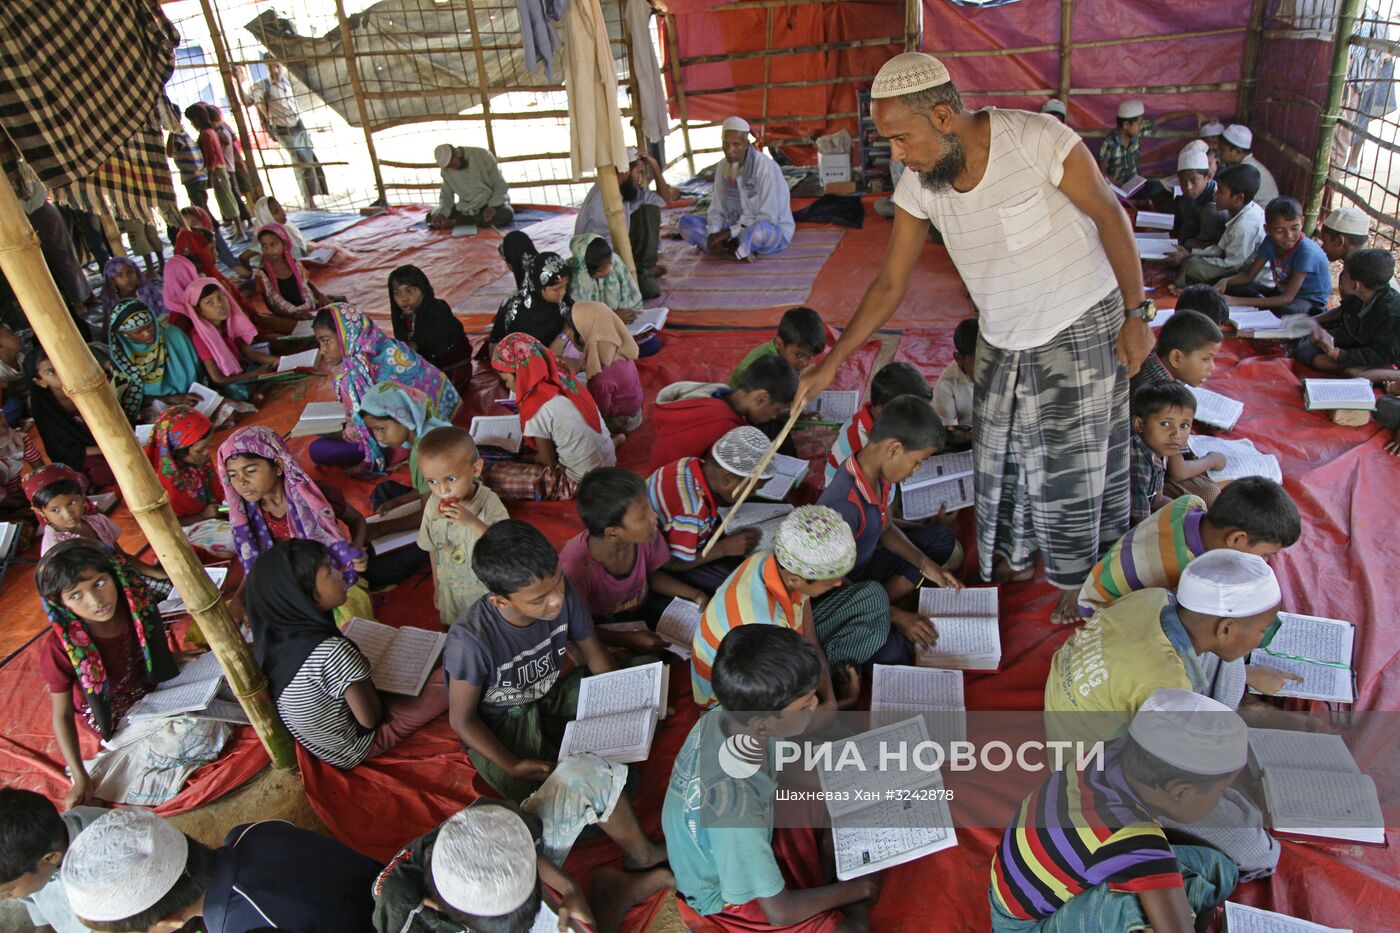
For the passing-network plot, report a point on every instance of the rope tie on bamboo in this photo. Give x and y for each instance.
(218, 598)
(87, 387)
(156, 505)
(258, 686)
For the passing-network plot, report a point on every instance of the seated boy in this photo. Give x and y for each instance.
(813, 551)
(1099, 832)
(1204, 299)
(1302, 282)
(952, 393)
(891, 381)
(734, 870)
(457, 514)
(1344, 230)
(691, 416)
(1119, 151)
(132, 872)
(686, 496)
(1252, 514)
(1235, 188)
(1365, 332)
(34, 837)
(1197, 222)
(1235, 148)
(1162, 416)
(801, 337)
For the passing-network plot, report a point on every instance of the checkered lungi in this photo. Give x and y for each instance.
(531, 482)
(1050, 442)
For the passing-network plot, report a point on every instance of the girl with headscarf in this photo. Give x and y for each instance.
(196, 243)
(517, 249)
(222, 339)
(609, 355)
(361, 356)
(158, 360)
(601, 275)
(321, 682)
(122, 278)
(426, 323)
(66, 437)
(284, 287)
(557, 417)
(268, 210)
(179, 451)
(538, 307)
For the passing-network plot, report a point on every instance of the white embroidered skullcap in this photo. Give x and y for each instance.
(1191, 159)
(484, 861)
(1349, 221)
(907, 73)
(1227, 583)
(1054, 105)
(1213, 128)
(122, 865)
(1196, 145)
(633, 155)
(734, 125)
(442, 154)
(739, 451)
(1131, 110)
(1239, 136)
(815, 543)
(1191, 731)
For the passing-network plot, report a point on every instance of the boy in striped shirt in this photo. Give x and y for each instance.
(891, 381)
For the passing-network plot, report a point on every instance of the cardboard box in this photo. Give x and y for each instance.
(833, 167)
(840, 187)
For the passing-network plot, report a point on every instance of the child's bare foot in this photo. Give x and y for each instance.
(845, 682)
(1067, 609)
(615, 892)
(654, 855)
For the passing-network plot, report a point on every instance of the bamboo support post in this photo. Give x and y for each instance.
(483, 80)
(23, 266)
(1336, 82)
(1066, 49)
(1244, 106)
(113, 234)
(352, 68)
(767, 68)
(913, 25)
(606, 176)
(233, 92)
(674, 62)
(754, 478)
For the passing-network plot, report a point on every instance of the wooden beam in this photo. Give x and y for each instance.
(913, 25)
(347, 45)
(792, 50)
(767, 69)
(817, 82)
(1066, 49)
(673, 62)
(482, 81)
(1244, 106)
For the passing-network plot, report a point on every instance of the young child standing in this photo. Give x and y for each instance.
(1162, 416)
(691, 416)
(891, 381)
(609, 363)
(952, 393)
(1302, 280)
(34, 838)
(1235, 188)
(1364, 334)
(459, 510)
(801, 337)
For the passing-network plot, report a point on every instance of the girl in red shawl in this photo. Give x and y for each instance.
(180, 450)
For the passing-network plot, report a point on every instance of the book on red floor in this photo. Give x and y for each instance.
(1338, 395)
(969, 636)
(1242, 919)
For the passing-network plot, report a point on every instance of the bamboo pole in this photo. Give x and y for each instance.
(352, 68)
(483, 80)
(235, 97)
(1327, 129)
(112, 234)
(753, 478)
(606, 176)
(1244, 107)
(913, 25)
(23, 266)
(674, 63)
(815, 82)
(767, 68)
(1066, 49)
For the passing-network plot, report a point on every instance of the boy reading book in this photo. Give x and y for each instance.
(1235, 188)
(1235, 148)
(1344, 230)
(1118, 153)
(1162, 416)
(691, 416)
(952, 393)
(891, 381)
(1364, 331)
(801, 337)
(1099, 832)
(735, 871)
(1203, 299)
(1197, 222)
(1302, 279)
(34, 838)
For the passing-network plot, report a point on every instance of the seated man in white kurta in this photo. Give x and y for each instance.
(750, 210)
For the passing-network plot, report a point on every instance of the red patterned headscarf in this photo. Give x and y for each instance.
(48, 475)
(539, 378)
(191, 487)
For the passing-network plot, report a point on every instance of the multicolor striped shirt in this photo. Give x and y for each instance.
(1151, 554)
(683, 504)
(849, 441)
(188, 159)
(753, 594)
(1078, 831)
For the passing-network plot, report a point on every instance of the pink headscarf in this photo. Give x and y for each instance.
(179, 273)
(217, 343)
(288, 255)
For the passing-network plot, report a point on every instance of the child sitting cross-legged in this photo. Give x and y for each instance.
(1363, 333)
(223, 337)
(891, 381)
(1302, 279)
(801, 337)
(952, 393)
(34, 838)
(1162, 416)
(691, 416)
(734, 870)
(1235, 188)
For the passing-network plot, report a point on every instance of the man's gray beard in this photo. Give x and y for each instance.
(947, 168)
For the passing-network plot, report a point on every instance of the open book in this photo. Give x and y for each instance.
(381, 543)
(1242, 919)
(1289, 328)
(319, 418)
(502, 431)
(1242, 458)
(306, 359)
(969, 638)
(1129, 188)
(1216, 410)
(915, 689)
(648, 322)
(764, 516)
(1313, 787)
(187, 693)
(9, 536)
(617, 714)
(944, 481)
(317, 257)
(1317, 649)
(143, 433)
(400, 659)
(1248, 320)
(104, 501)
(678, 625)
(791, 472)
(174, 604)
(885, 817)
(835, 405)
(1154, 248)
(1155, 220)
(209, 400)
(302, 330)
(1338, 394)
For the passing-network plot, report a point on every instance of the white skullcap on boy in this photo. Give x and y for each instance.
(907, 73)
(815, 543)
(1190, 159)
(1347, 221)
(1191, 731)
(1131, 110)
(122, 865)
(1054, 105)
(1239, 136)
(484, 861)
(734, 125)
(739, 451)
(1228, 584)
(1212, 129)
(442, 155)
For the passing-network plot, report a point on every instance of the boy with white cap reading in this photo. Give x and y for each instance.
(1120, 149)
(1235, 188)
(1236, 141)
(750, 209)
(1087, 850)
(1344, 229)
(473, 189)
(132, 872)
(1198, 222)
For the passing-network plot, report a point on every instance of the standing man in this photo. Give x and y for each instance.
(750, 207)
(643, 208)
(1048, 256)
(277, 106)
(473, 189)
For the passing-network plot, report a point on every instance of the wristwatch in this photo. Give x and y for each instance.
(1143, 312)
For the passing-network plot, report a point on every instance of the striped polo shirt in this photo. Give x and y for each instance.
(849, 441)
(753, 594)
(684, 506)
(1152, 554)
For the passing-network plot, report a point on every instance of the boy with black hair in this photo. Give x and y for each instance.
(1236, 148)
(1302, 279)
(1119, 150)
(1235, 188)
(34, 837)
(132, 872)
(891, 381)
(734, 871)
(1364, 332)
(1204, 299)
(952, 393)
(1344, 229)
(801, 337)
(1162, 416)
(691, 416)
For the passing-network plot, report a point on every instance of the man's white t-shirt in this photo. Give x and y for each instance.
(1031, 259)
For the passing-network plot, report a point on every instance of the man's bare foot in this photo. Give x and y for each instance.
(1067, 609)
(654, 855)
(615, 892)
(1002, 573)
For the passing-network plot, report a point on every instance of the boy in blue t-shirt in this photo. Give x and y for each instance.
(1302, 280)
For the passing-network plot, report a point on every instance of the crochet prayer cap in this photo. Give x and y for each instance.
(907, 73)
(739, 451)
(1054, 105)
(443, 155)
(1131, 110)
(734, 125)
(1212, 129)
(1348, 221)
(483, 861)
(1228, 584)
(1190, 731)
(1239, 136)
(815, 543)
(122, 865)
(1192, 159)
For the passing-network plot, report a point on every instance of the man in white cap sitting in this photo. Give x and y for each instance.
(1210, 135)
(642, 207)
(473, 189)
(1056, 108)
(132, 872)
(1235, 144)
(1049, 258)
(1120, 149)
(1088, 849)
(750, 207)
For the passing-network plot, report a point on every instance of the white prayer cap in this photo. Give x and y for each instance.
(1196, 145)
(484, 861)
(1131, 110)
(734, 125)
(1193, 160)
(1213, 128)
(122, 865)
(633, 155)
(443, 155)
(739, 451)
(1239, 136)
(1229, 584)
(1349, 221)
(1054, 105)
(815, 543)
(907, 73)
(1191, 731)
